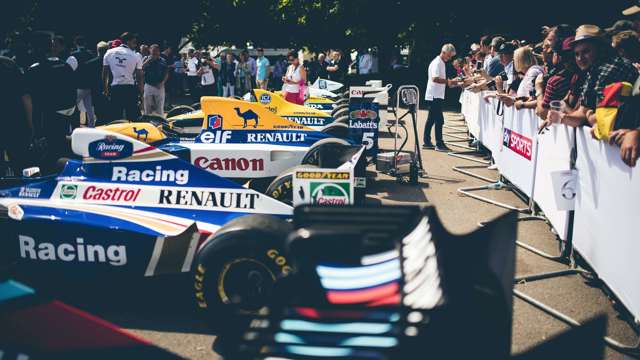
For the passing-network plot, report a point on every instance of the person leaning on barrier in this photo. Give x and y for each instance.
(594, 56)
(558, 84)
(524, 62)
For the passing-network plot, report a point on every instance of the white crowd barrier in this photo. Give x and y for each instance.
(607, 190)
(606, 216)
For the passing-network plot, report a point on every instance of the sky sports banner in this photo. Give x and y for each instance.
(364, 120)
(516, 158)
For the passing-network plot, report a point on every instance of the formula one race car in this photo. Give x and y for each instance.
(190, 122)
(129, 209)
(246, 142)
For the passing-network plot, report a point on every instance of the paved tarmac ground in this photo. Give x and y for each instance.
(161, 309)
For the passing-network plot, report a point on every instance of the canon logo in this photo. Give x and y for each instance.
(229, 164)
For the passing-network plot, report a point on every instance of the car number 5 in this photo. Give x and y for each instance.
(368, 139)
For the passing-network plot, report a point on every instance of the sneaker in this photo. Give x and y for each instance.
(442, 148)
(428, 146)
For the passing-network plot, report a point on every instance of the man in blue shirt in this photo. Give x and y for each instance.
(262, 72)
(155, 76)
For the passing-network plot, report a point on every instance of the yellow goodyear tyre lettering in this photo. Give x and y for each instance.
(279, 260)
(199, 286)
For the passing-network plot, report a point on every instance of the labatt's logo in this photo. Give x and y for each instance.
(363, 114)
(110, 148)
(329, 193)
(519, 144)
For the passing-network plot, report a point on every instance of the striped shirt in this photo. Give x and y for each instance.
(557, 88)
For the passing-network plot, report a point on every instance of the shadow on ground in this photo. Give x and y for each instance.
(159, 304)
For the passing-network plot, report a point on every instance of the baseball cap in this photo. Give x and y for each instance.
(632, 10)
(506, 48)
(565, 46)
(620, 25)
(588, 32)
(115, 43)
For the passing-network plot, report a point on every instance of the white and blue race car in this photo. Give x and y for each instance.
(130, 209)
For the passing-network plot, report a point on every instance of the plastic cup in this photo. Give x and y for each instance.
(555, 109)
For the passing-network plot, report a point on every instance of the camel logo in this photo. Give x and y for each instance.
(141, 133)
(323, 193)
(246, 116)
(214, 122)
(265, 99)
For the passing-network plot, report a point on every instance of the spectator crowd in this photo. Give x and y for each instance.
(577, 76)
(51, 86)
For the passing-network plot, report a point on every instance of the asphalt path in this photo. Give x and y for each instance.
(161, 310)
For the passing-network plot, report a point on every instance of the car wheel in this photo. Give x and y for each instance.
(260, 185)
(337, 129)
(179, 110)
(312, 157)
(281, 188)
(237, 268)
(344, 119)
(342, 112)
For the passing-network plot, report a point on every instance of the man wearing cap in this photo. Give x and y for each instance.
(122, 71)
(505, 54)
(493, 67)
(593, 56)
(436, 86)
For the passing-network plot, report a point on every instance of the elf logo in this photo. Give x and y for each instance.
(115, 255)
(215, 137)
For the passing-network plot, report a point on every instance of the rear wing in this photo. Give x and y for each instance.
(328, 85)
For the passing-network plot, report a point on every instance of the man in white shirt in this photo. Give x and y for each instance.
(193, 77)
(364, 63)
(121, 73)
(436, 86)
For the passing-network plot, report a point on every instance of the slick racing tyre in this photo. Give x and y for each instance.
(312, 157)
(237, 268)
(339, 108)
(281, 188)
(337, 129)
(344, 119)
(260, 185)
(179, 110)
(342, 112)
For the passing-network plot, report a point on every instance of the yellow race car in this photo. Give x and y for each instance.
(185, 121)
